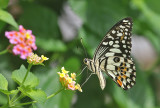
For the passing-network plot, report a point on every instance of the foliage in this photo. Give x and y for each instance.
(98, 16)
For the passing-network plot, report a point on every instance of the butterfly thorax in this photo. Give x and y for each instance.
(91, 65)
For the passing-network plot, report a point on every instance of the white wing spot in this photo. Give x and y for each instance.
(105, 43)
(126, 33)
(122, 26)
(134, 78)
(125, 37)
(110, 37)
(134, 67)
(124, 55)
(109, 54)
(116, 50)
(126, 51)
(121, 30)
(128, 80)
(119, 34)
(113, 31)
(111, 43)
(116, 46)
(132, 83)
(116, 41)
(125, 20)
(123, 41)
(128, 86)
(124, 46)
(129, 23)
(126, 29)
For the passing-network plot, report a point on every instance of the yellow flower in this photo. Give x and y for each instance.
(44, 58)
(78, 87)
(69, 80)
(62, 75)
(28, 36)
(64, 71)
(73, 76)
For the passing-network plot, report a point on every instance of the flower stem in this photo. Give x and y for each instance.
(27, 103)
(52, 95)
(20, 97)
(8, 100)
(29, 67)
(4, 51)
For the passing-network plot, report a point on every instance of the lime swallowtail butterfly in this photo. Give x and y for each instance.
(112, 56)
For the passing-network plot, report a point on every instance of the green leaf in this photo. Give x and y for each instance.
(7, 17)
(3, 83)
(3, 99)
(37, 95)
(18, 76)
(4, 3)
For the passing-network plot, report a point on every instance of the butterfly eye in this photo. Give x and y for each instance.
(85, 61)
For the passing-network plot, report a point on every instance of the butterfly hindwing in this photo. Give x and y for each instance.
(121, 70)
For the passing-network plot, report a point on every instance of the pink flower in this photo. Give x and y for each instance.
(23, 42)
(71, 86)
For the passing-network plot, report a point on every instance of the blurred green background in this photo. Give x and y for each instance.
(58, 26)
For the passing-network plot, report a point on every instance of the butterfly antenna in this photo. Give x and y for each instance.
(87, 79)
(82, 71)
(83, 47)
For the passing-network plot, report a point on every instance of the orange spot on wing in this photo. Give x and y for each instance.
(125, 69)
(124, 76)
(119, 77)
(122, 36)
(119, 69)
(119, 82)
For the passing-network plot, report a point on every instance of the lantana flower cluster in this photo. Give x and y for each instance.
(23, 42)
(69, 81)
(35, 59)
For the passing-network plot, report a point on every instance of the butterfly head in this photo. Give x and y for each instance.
(89, 64)
(86, 61)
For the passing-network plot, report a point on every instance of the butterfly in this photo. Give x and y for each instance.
(112, 56)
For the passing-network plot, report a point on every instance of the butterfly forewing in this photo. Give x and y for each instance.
(113, 54)
(117, 41)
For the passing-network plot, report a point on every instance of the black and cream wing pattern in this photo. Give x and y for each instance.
(112, 56)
